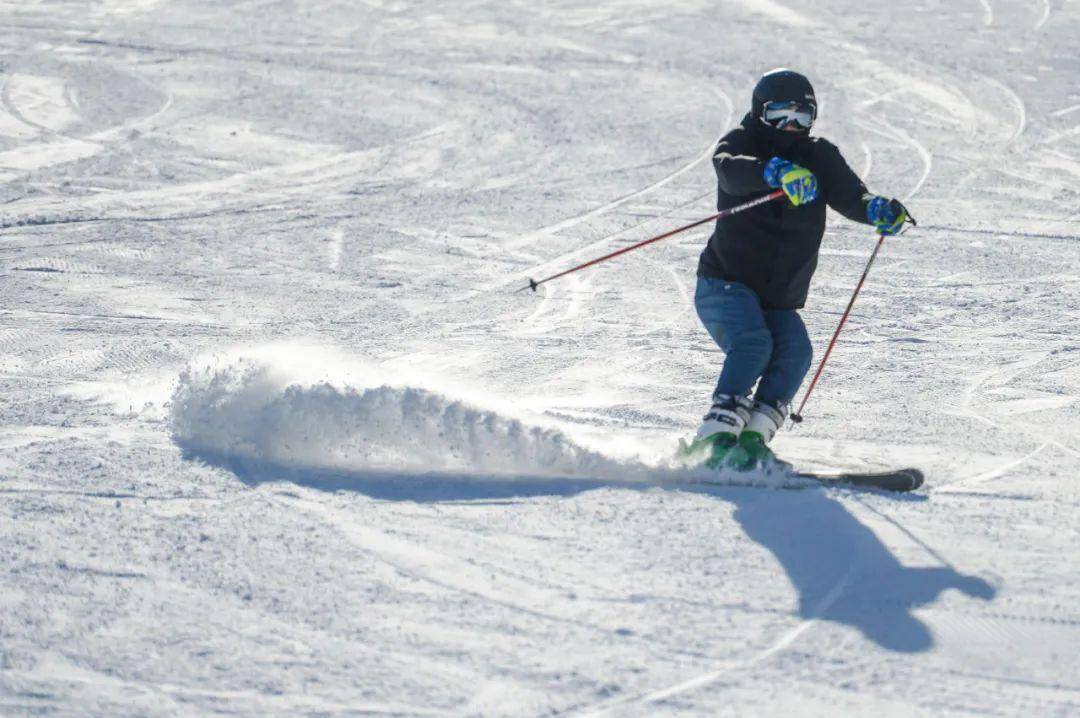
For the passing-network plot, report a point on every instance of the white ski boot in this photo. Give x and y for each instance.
(752, 450)
(719, 431)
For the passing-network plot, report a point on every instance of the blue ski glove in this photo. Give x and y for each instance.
(887, 215)
(798, 183)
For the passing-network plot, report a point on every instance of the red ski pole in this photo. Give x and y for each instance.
(533, 284)
(797, 416)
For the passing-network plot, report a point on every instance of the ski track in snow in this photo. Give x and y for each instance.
(605, 208)
(545, 232)
(1044, 15)
(278, 437)
(703, 680)
(1004, 376)
(1021, 110)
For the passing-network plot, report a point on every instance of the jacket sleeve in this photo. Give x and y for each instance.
(846, 193)
(737, 170)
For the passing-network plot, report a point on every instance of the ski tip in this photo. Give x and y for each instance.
(899, 480)
(915, 476)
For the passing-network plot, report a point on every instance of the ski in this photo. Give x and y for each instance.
(899, 480)
(896, 480)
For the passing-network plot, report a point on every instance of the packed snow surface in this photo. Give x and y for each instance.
(278, 435)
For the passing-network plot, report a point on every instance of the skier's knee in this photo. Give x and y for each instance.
(805, 352)
(753, 342)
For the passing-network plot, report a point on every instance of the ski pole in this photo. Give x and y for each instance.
(797, 416)
(533, 284)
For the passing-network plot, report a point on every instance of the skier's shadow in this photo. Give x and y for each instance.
(842, 571)
(434, 487)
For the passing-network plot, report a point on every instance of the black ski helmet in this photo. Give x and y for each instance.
(781, 84)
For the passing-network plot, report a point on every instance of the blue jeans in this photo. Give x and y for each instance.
(766, 344)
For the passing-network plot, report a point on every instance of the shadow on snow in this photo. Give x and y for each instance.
(841, 570)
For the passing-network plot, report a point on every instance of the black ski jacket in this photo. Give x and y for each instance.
(773, 248)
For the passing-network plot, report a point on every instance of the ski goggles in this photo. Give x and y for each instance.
(782, 113)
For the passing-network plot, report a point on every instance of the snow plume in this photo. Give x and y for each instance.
(248, 408)
(301, 408)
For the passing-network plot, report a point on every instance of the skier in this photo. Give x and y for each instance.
(754, 273)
